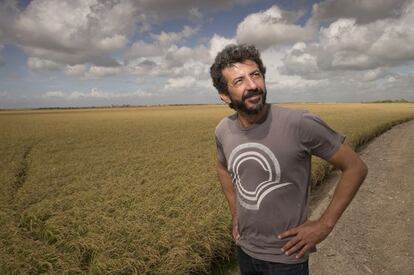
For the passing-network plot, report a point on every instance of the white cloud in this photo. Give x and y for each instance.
(274, 59)
(193, 68)
(156, 11)
(40, 64)
(181, 82)
(169, 38)
(375, 74)
(187, 85)
(381, 43)
(164, 47)
(297, 61)
(294, 73)
(178, 56)
(143, 67)
(75, 70)
(273, 27)
(97, 71)
(346, 45)
(95, 93)
(112, 43)
(217, 43)
(73, 32)
(364, 11)
(143, 49)
(91, 72)
(293, 82)
(63, 34)
(171, 62)
(183, 53)
(394, 45)
(195, 15)
(53, 94)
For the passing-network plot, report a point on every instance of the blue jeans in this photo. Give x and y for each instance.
(252, 266)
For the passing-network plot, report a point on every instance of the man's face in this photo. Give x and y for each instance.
(246, 86)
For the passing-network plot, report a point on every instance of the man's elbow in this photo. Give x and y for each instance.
(221, 169)
(220, 166)
(362, 170)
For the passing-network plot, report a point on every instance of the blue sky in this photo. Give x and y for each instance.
(94, 53)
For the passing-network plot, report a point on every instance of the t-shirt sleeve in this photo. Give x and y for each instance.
(317, 137)
(220, 154)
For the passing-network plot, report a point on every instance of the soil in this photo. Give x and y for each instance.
(375, 235)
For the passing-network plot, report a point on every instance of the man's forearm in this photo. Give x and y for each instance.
(345, 191)
(353, 174)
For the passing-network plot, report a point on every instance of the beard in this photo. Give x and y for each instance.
(241, 106)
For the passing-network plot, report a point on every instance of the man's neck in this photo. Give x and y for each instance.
(248, 120)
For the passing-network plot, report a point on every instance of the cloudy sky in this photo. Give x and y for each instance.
(103, 52)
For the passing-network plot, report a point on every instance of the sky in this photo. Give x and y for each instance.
(113, 52)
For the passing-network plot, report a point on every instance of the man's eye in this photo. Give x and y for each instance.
(238, 82)
(257, 74)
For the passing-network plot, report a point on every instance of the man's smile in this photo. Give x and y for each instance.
(254, 99)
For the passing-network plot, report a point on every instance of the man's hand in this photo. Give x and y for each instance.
(309, 234)
(236, 234)
(306, 237)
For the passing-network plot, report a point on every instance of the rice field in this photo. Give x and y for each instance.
(130, 190)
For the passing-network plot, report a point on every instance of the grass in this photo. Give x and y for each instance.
(131, 190)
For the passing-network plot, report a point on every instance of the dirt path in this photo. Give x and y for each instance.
(376, 233)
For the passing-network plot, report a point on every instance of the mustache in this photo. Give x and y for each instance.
(251, 93)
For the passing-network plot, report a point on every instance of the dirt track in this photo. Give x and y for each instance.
(376, 233)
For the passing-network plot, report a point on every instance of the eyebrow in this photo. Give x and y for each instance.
(255, 71)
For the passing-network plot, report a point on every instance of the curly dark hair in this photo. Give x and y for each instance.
(229, 55)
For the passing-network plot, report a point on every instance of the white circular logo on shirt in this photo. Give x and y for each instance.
(267, 160)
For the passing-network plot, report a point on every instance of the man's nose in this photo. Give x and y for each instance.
(250, 83)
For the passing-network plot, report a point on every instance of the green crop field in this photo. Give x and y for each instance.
(132, 190)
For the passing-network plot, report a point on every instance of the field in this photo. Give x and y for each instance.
(130, 190)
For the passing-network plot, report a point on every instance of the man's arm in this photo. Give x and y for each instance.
(228, 190)
(307, 235)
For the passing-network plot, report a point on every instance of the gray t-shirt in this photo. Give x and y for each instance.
(270, 166)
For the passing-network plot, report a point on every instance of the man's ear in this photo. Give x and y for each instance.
(225, 97)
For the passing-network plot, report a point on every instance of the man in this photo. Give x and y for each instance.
(264, 155)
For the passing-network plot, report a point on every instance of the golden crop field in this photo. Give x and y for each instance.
(132, 190)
